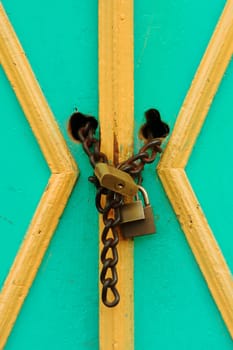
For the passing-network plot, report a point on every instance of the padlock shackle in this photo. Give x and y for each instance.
(144, 195)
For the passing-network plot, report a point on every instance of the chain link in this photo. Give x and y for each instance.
(113, 201)
(111, 218)
(109, 254)
(135, 164)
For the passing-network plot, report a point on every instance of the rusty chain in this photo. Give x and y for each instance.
(135, 164)
(113, 201)
(110, 214)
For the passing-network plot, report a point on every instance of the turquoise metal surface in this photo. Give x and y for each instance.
(24, 175)
(213, 154)
(173, 307)
(61, 311)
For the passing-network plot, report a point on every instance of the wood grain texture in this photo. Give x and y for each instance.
(171, 167)
(116, 120)
(62, 180)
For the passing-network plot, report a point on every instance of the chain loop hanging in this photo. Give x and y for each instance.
(113, 201)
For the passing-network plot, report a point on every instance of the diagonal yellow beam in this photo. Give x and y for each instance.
(62, 180)
(171, 167)
(201, 93)
(116, 106)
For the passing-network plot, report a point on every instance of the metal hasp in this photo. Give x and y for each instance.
(115, 179)
(142, 226)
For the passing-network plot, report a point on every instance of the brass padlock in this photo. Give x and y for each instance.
(132, 211)
(115, 179)
(140, 227)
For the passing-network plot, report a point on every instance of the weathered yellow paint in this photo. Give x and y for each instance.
(61, 182)
(171, 167)
(116, 120)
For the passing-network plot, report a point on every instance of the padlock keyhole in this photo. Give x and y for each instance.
(120, 186)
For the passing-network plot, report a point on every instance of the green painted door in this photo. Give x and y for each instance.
(173, 306)
(60, 41)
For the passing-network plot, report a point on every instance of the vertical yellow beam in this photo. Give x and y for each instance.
(116, 121)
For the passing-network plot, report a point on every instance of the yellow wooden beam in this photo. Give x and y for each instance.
(171, 167)
(116, 106)
(61, 182)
